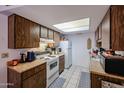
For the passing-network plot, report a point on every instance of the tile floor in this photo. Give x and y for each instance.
(74, 77)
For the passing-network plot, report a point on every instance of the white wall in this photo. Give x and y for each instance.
(80, 53)
(4, 49)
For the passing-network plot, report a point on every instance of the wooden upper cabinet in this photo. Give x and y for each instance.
(34, 34)
(112, 27)
(100, 31)
(117, 27)
(50, 34)
(97, 34)
(22, 33)
(56, 38)
(44, 32)
(106, 31)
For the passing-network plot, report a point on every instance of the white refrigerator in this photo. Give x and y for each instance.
(66, 47)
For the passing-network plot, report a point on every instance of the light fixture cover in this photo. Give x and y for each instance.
(72, 26)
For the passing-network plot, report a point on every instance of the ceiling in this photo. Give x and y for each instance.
(49, 15)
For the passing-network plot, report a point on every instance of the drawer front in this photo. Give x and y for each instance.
(61, 57)
(61, 66)
(96, 80)
(32, 71)
(36, 81)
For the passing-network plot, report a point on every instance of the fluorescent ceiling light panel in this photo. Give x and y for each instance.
(78, 25)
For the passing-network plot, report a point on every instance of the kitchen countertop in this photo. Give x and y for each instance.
(113, 57)
(59, 54)
(22, 67)
(96, 68)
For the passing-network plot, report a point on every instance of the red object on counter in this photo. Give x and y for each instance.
(13, 62)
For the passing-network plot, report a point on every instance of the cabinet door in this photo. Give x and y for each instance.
(22, 33)
(100, 31)
(106, 31)
(34, 34)
(96, 80)
(117, 28)
(97, 37)
(26, 33)
(43, 32)
(56, 38)
(36, 81)
(50, 34)
(61, 64)
(97, 34)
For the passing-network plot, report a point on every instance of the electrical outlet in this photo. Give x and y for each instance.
(4, 55)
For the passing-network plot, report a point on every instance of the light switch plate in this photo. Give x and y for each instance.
(4, 55)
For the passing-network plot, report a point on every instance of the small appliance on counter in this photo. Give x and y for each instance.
(23, 58)
(59, 50)
(113, 64)
(53, 50)
(30, 56)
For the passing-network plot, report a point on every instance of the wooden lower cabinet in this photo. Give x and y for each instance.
(35, 81)
(96, 80)
(61, 64)
(32, 78)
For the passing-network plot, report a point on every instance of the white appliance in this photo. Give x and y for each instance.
(66, 47)
(52, 70)
(52, 67)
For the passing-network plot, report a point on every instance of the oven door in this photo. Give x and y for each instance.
(52, 71)
(53, 65)
(52, 68)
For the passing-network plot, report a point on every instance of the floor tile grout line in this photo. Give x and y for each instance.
(71, 75)
(69, 79)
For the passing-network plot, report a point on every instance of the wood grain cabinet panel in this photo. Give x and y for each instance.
(97, 37)
(44, 32)
(22, 33)
(96, 80)
(113, 28)
(61, 64)
(50, 34)
(100, 31)
(35, 81)
(32, 78)
(117, 27)
(97, 34)
(56, 38)
(106, 31)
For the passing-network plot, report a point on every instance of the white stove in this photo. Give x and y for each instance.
(52, 66)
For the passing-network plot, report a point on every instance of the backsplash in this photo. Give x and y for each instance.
(42, 48)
